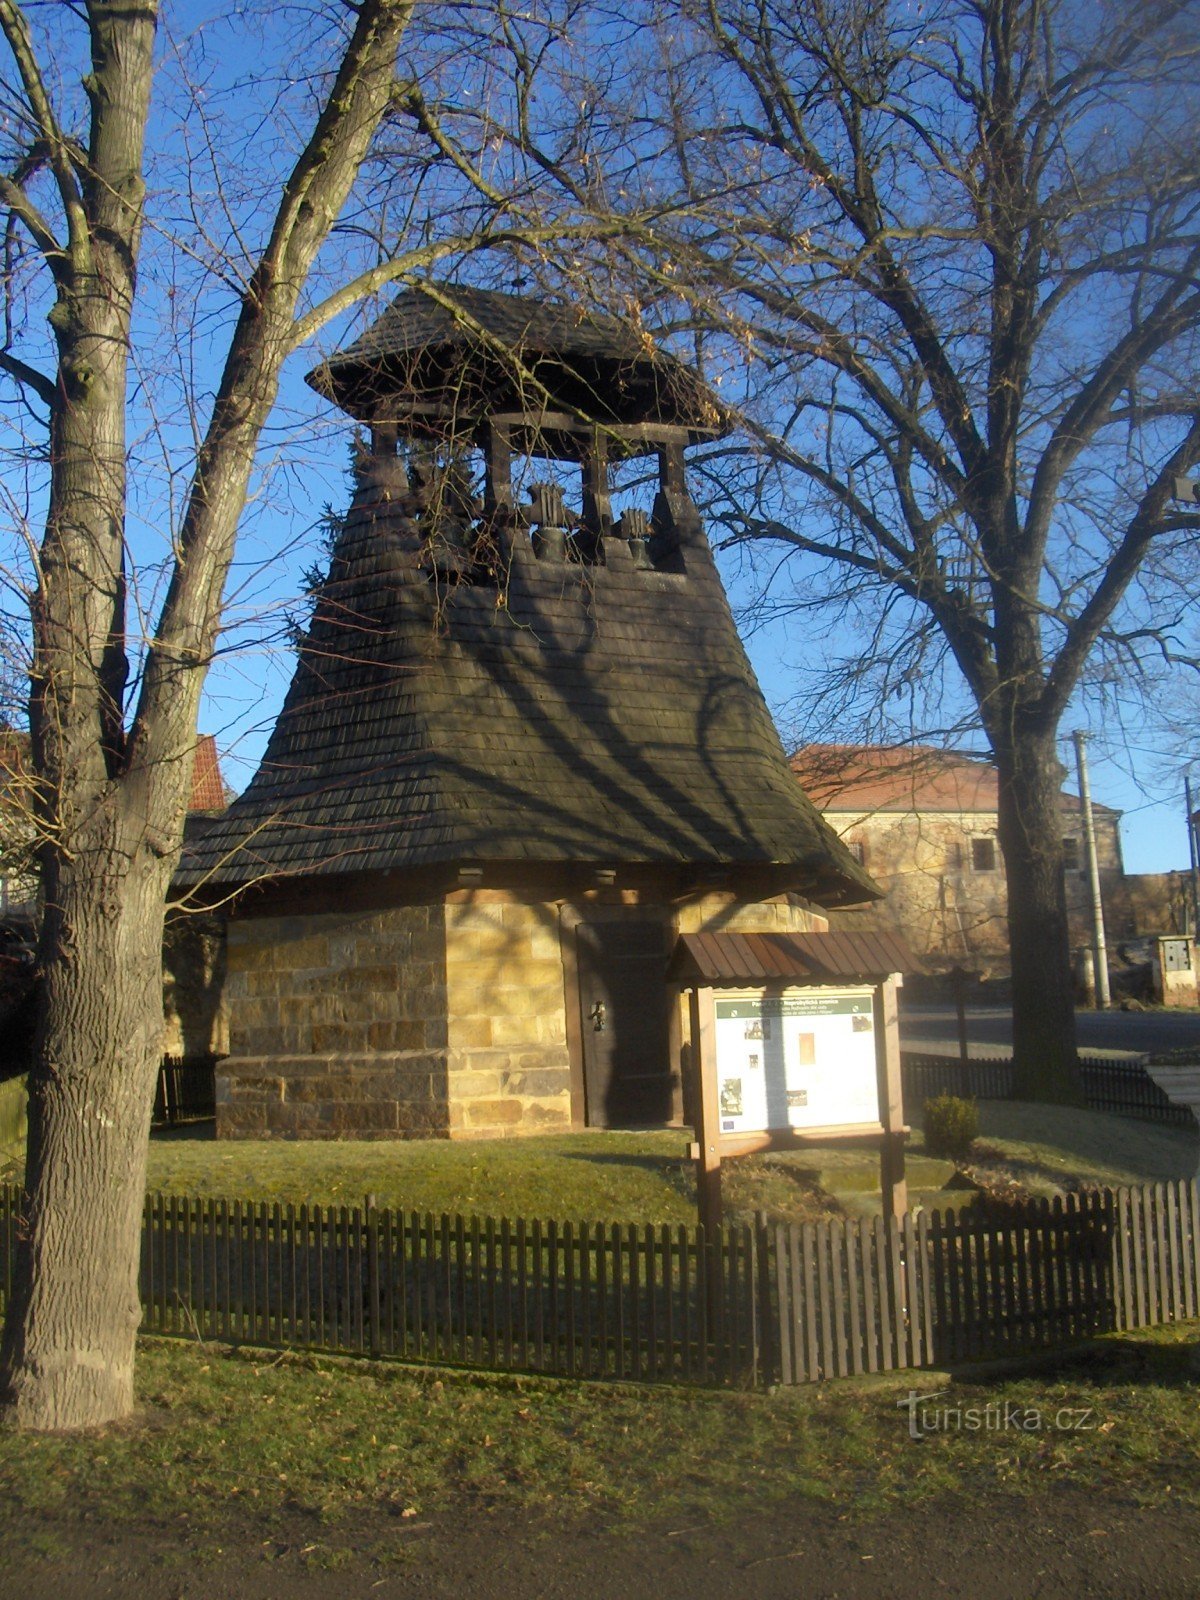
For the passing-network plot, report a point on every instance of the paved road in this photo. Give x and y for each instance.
(989, 1030)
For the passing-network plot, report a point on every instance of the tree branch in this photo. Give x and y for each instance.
(15, 28)
(29, 376)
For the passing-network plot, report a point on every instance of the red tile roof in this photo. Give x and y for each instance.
(845, 777)
(208, 789)
(863, 778)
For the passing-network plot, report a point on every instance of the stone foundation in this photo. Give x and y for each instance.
(424, 1021)
(337, 1026)
(445, 1019)
(509, 1069)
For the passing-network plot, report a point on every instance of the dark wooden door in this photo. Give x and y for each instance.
(625, 1023)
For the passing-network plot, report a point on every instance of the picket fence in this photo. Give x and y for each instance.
(750, 1305)
(1122, 1087)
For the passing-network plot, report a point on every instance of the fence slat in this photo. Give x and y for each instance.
(568, 1247)
(766, 1303)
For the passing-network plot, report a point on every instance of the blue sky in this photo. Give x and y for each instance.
(213, 152)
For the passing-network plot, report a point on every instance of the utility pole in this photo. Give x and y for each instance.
(1099, 948)
(1191, 825)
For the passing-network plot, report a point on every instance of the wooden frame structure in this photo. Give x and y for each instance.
(706, 964)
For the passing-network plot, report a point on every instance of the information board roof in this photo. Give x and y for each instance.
(716, 960)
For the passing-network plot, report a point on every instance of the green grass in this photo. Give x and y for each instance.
(222, 1430)
(646, 1177)
(1046, 1148)
(1091, 1145)
(625, 1176)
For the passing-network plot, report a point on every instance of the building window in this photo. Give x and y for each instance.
(954, 857)
(858, 850)
(1072, 857)
(983, 854)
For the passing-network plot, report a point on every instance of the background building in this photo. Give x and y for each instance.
(924, 823)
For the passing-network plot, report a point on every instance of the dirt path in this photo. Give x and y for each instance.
(1060, 1543)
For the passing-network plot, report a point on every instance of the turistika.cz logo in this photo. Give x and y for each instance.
(926, 1416)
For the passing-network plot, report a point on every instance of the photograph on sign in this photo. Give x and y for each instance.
(803, 1058)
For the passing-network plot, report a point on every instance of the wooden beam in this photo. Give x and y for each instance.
(892, 1182)
(867, 1134)
(702, 1010)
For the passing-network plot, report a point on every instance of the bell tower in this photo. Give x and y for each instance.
(522, 750)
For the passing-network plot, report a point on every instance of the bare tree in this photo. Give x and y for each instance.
(114, 707)
(943, 261)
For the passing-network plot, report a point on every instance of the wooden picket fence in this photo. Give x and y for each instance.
(953, 1286)
(751, 1305)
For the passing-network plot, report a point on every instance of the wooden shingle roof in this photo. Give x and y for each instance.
(572, 713)
(476, 352)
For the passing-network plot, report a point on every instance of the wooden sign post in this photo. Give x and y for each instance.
(758, 1052)
(706, 1151)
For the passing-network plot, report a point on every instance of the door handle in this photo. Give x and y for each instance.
(598, 1016)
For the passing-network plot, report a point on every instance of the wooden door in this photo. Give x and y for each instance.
(624, 1020)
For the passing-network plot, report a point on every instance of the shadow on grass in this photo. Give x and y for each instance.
(1166, 1363)
(191, 1132)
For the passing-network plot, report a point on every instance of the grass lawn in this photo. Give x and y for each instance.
(646, 1177)
(223, 1429)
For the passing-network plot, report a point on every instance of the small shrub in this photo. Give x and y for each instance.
(951, 1127)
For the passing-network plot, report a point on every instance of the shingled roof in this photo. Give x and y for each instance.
(475, 352)
(574, 713)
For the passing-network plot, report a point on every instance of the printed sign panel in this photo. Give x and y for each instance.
(801, 1059)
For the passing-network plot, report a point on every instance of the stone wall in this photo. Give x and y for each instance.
(722, 912)
(195, 1022)
(508, 1064)
(337, 1026)
(443, 1019)
(1145, 903)
(949, 909)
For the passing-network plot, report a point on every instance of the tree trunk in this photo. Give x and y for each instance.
(1043, 1000)
(67, 1358)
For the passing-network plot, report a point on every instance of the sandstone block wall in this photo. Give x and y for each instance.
(337, 1026)
(446, 1019)
(195, 1022)
(947, 910)
(509, 1071)
(721, 912)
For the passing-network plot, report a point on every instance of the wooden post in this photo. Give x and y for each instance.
(498, 491)
(597, 497)
(371, 1216)
(959, 978)
(892, 1183)
(707, 1149)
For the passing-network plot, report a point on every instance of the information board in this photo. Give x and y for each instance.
(801, 1059)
